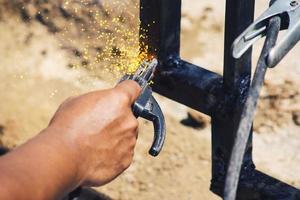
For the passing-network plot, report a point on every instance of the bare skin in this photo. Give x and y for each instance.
(89, 141)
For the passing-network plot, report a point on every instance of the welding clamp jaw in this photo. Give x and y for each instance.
(289, 13)
(146, 106)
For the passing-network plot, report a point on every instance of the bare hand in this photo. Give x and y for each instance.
(102, 129)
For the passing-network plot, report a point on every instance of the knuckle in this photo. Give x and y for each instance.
(125, 165)
(123, 97)
(133, 143)
(69, 99)
(65, 102)
(134, 123)
(127, 158)
(127, 162)
(130, 123)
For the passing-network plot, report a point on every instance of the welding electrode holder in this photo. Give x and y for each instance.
(146, 106)
(289, 13)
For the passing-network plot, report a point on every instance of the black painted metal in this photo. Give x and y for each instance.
(160, 24)
(248, 111)
(173, 81)
(160, 30)
(220, 97)
(237, 75)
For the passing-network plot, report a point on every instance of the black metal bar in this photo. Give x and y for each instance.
(180, 82)
(160, 27)
(239, 15)
(149, 27)
(255, 185)
(260, 186)
(237, 74)
(170, 29)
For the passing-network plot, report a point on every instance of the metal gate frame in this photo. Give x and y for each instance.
(220, 97)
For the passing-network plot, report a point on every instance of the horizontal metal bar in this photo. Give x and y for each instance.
(188, 84)
(255, 185)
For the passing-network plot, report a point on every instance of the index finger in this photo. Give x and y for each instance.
(131, 88)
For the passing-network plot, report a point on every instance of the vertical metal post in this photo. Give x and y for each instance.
(160, 27)
(150, 26)
(237, 74)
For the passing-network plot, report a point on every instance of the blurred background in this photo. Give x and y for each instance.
(50, 50)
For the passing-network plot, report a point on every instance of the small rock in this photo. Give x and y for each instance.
(142, 186)
(296, 117)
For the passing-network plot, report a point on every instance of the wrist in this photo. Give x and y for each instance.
(51, 163)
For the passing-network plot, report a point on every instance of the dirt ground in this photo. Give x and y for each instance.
(41, 66)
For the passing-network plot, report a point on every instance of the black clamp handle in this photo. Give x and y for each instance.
(147, 107)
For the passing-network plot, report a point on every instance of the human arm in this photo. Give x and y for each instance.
(89, 141)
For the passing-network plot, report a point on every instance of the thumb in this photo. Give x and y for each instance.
(131, 88)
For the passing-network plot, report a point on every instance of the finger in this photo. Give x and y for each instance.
(131, 88)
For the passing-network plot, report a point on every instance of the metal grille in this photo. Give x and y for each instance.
(221, 97)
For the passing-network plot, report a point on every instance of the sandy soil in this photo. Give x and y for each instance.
(38, 73)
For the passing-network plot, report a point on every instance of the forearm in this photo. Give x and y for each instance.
(43, 168)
